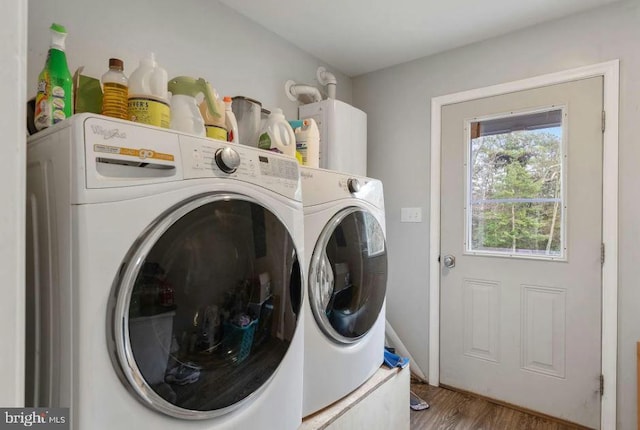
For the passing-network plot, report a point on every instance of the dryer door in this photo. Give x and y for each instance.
(348, 275)
(205, 306)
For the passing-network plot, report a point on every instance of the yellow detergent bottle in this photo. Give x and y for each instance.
(214, 120)
(148, 98)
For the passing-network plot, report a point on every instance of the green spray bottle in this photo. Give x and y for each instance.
(54, 100)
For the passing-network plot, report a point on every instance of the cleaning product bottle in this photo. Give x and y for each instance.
(296, 124)
(307, 141)
(54, 100)
(230, 121)
(115, 89)
(214, 120)
(185, 114)
(148, 98)
(277, 135)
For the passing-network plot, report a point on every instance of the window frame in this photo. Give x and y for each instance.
(468, 176)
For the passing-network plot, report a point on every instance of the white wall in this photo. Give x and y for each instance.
(397, 101)
(199, 38)
(13, 48)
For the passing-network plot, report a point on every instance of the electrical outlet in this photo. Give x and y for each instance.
(411, 215)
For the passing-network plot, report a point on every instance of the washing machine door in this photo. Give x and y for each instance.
(348, 275)
(206, 306)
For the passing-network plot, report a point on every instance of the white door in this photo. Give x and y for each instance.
(521, 234)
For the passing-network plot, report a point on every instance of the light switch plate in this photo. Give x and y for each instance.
(410, 214)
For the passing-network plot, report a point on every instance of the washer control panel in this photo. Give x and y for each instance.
(207, 158)
(227, 159)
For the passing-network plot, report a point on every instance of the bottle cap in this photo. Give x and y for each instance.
(149, 60)
(116, 63)
(59, 28)
(58, 36)
(296, 123)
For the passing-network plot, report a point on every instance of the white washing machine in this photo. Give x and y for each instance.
(164, 279)
(345, 246)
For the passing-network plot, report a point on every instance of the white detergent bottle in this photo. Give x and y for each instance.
(148, 98)
(277, 135)
(308, 142)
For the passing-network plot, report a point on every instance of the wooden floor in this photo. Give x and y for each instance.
(452, 410)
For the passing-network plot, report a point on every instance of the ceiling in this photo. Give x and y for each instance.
(361, 36)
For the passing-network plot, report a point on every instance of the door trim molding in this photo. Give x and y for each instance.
(610, 71)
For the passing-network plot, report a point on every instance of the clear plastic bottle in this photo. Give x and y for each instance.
(115, 88)
(54, 100)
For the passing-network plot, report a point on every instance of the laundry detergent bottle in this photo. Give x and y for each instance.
(214, 121)
(307, 141)
(277, 135)
(54, 100)
(148, 101)
(185, 114)
(230, 120)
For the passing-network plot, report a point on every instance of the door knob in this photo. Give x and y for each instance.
(449, 261)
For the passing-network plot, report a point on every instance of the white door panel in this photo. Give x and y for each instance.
(523, 326)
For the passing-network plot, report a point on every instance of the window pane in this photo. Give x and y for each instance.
(517, 227)
(515, 197)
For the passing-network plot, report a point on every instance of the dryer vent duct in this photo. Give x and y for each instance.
(302, 93)
(309, 94)
(327, 79)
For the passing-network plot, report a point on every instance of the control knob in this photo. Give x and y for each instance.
(227, 159)
(353, 184)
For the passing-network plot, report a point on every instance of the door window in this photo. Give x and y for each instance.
(515, 185)
(348, 275)
(209, 301)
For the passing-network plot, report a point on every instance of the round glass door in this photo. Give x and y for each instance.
(348, 275)
(207, 304)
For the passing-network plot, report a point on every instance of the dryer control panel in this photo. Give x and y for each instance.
(321, 186)
(208, 158)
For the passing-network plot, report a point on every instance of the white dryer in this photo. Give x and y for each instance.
(164, 279)
(345, 246)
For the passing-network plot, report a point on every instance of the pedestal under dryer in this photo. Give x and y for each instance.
(345, 246)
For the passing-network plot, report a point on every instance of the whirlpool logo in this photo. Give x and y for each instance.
(40, 418)
(108, 133)
(306, 175)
